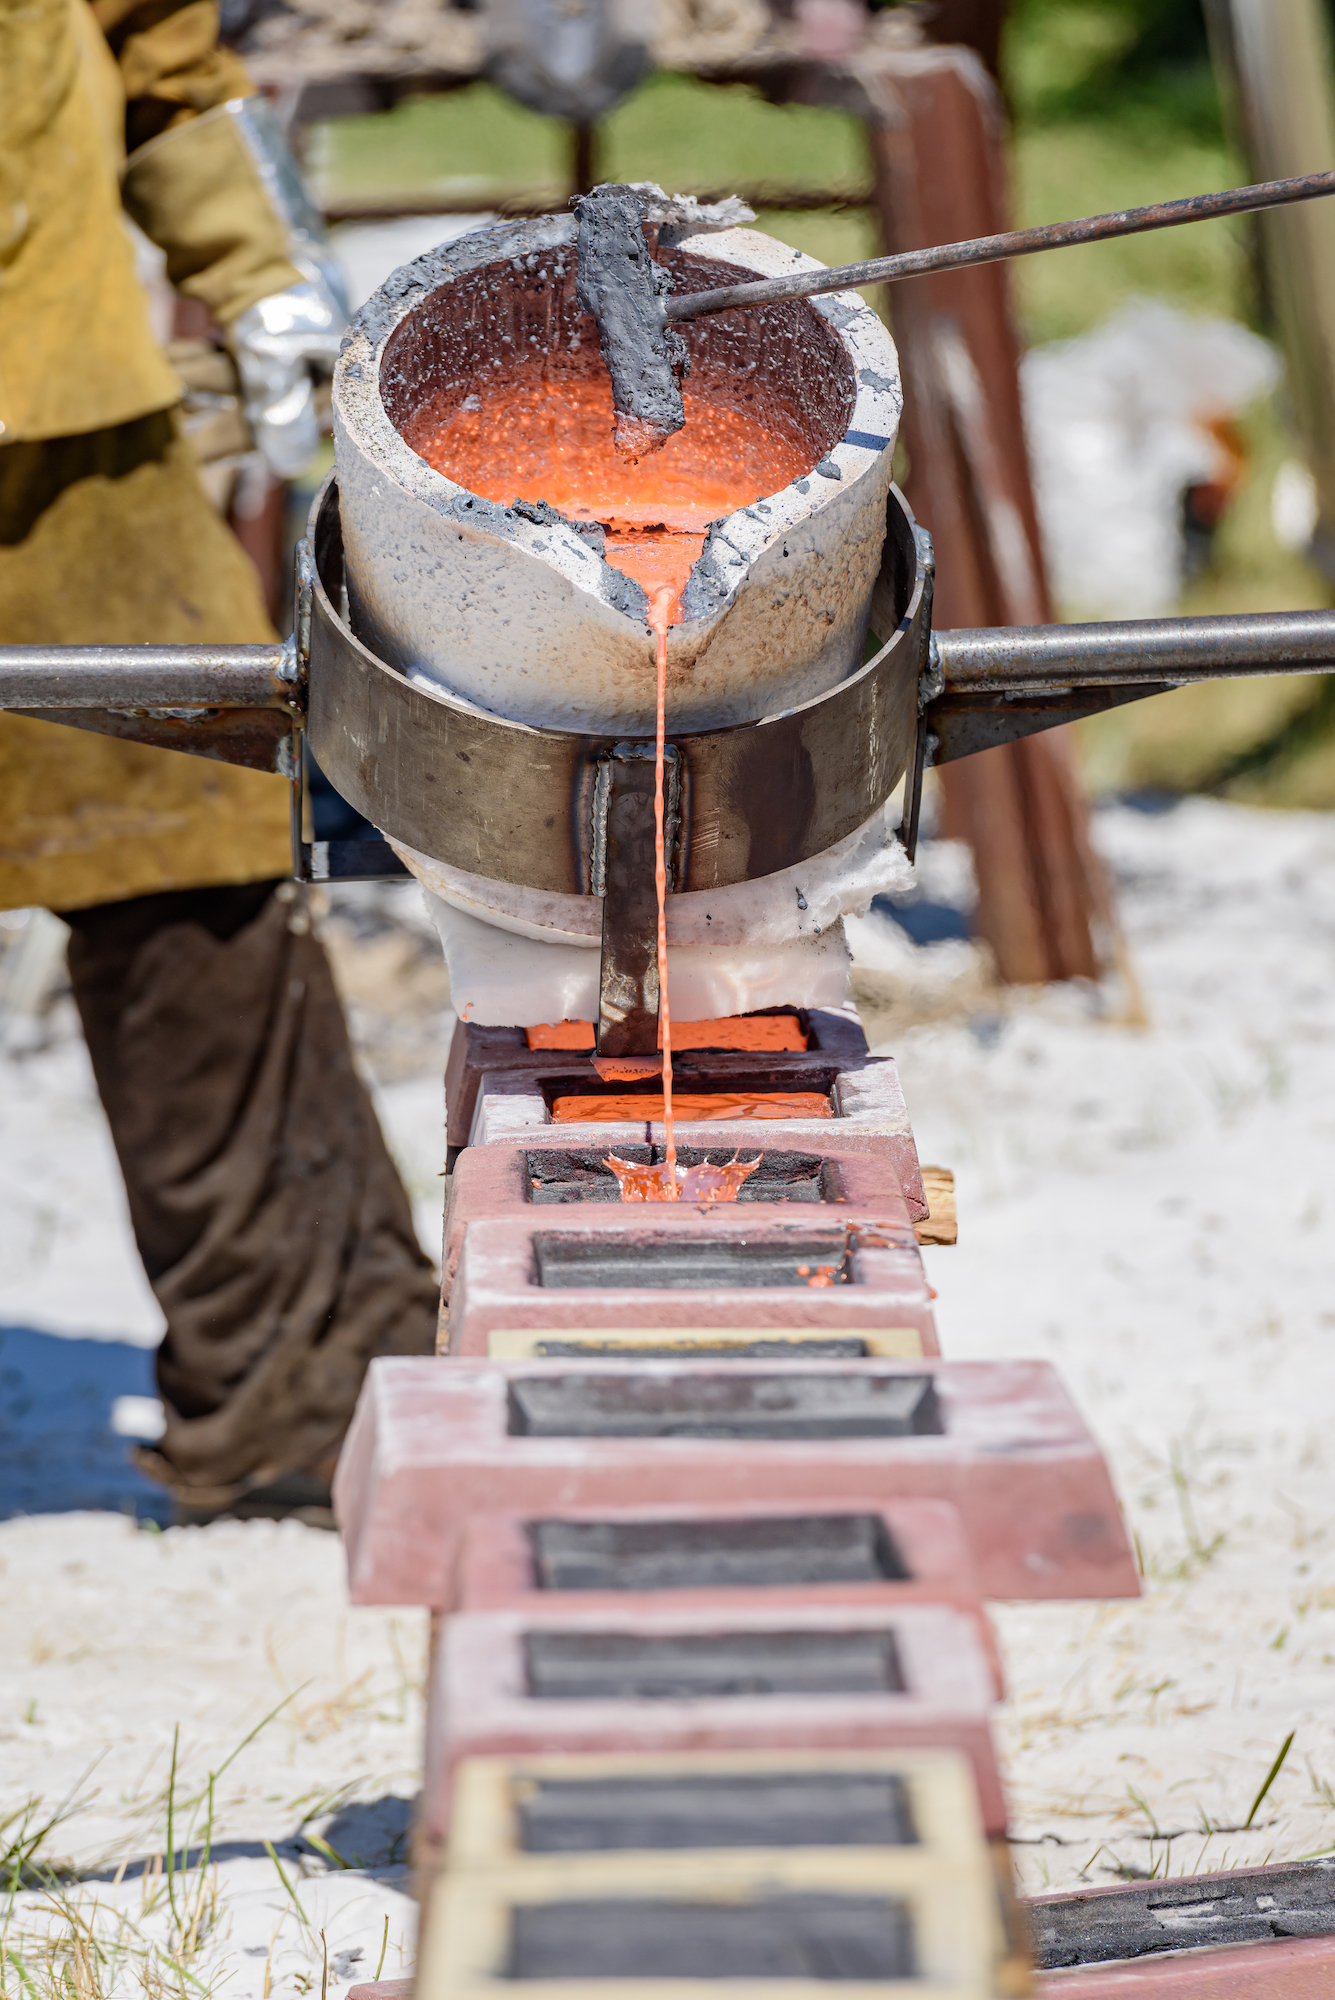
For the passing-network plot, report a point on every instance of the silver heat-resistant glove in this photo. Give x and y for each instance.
(281, 344)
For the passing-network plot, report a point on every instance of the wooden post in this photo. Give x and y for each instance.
(938, 161)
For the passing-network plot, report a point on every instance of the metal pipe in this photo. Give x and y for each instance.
(147, 677)
(1034, 659)
(993, 249)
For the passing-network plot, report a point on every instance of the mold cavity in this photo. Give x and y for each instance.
(786, 1551)
(715, 1809)
(726, 1404)
(678, 1262)
(800, 1935)
(708, 1666)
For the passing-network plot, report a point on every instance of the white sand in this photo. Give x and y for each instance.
(1155, 1213)
(1152, 1210)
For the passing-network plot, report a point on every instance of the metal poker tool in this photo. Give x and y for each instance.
(629, 295)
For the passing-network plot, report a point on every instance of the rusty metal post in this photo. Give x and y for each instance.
(583, 159)
(937, 158)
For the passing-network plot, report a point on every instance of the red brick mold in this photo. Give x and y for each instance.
(870, 1116)
(507, 1563)
(475, 1050)
(492, 1182)
(432, 1443)
(848, 1272)
(492, 1693)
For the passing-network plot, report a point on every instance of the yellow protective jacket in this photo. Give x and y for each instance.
(105, 532)
(82, 87)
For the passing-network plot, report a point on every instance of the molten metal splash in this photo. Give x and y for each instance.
(662, 1182)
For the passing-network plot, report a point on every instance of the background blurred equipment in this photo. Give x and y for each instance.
(1277, 69)
(1136, 452)
(573, 59)
(1043, 903)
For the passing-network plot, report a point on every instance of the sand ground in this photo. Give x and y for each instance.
(1150, 1206)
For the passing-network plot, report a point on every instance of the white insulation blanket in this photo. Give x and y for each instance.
(520, 956)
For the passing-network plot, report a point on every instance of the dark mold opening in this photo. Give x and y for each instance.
(675, 1261)
(715, 1809)
(728, 1404)
(804, 1935)
(776, 1551)
(708, 1666)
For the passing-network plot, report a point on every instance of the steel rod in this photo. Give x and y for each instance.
(147, 677)
(1035, 659)
(992, 249)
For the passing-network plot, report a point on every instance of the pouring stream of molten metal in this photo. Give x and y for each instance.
(550, 435)
(665, 1181)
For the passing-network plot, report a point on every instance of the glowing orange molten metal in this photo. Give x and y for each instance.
(704, 1183)
(538, 437)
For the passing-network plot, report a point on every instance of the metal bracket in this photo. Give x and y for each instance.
(622, 872)
(931, 684)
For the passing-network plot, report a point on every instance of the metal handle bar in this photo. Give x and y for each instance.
(1005, 659)
(1046, 659)
(147, 677)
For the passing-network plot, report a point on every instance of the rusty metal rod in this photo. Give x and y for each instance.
(1047, 659)
(148, 677)
(992, 249)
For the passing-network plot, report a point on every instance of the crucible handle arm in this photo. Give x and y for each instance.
(1022, 660)
(158, 678)
(997, 683)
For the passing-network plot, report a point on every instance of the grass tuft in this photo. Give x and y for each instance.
(1270, 1778)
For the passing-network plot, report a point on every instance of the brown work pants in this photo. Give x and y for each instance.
(272, 1224)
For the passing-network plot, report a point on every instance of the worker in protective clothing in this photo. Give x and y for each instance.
(273, 1227)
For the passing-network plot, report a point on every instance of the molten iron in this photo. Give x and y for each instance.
(698, 1105)
(769, 1033)
(548, 436)
(705, 1183)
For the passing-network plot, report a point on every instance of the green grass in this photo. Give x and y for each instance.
(690, 137)
(686, 135)
(1094, 131)
(1074, 169)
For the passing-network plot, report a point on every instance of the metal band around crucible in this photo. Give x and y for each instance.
(533, 806)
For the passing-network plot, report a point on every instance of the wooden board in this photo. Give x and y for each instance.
(940, 1226)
